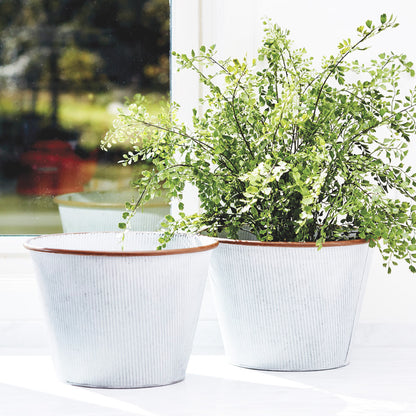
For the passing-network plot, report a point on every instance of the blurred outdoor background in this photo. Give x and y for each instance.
(65, 68)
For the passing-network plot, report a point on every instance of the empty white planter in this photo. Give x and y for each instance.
(102, 211)
(288, 306)
(121, 319)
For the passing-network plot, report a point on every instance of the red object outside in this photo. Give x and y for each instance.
(51, 167)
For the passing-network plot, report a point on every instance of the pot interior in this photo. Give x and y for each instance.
(112, 243)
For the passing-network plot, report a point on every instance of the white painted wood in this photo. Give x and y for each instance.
(380, 382)
(186, 90)
(185, 36)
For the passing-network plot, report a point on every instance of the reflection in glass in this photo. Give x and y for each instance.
(65, 68)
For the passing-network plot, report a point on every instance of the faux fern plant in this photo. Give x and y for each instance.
(286, 151)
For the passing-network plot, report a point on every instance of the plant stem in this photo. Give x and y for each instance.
(343, 56)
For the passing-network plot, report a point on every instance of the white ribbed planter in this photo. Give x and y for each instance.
(121, 319)
(288, 306)
(102, 211)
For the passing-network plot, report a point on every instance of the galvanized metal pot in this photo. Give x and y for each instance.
(289, 306)
(121, 318)
(102, 211)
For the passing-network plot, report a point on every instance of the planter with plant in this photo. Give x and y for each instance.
(121, 316)
(310, 164)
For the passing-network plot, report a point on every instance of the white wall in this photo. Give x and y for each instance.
(389, 308)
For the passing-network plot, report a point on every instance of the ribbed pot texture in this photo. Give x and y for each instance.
(288, 308)
(121, 319)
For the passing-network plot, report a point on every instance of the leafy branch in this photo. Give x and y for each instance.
(285, 150)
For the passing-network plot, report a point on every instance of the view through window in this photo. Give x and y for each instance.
(65, 68)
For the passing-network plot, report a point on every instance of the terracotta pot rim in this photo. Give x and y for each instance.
(133, 253)
(311, 244)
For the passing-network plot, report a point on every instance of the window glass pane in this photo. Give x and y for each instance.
(65, 68)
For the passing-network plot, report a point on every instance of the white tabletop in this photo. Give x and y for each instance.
(378, 382)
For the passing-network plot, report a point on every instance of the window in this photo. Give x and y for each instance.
(65, 68)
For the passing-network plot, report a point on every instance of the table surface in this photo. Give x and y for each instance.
(378, 382)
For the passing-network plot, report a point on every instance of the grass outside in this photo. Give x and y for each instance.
(90, 114)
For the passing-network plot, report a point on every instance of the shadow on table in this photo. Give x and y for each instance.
(374, 374)
(205, 395)
(19, 401)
